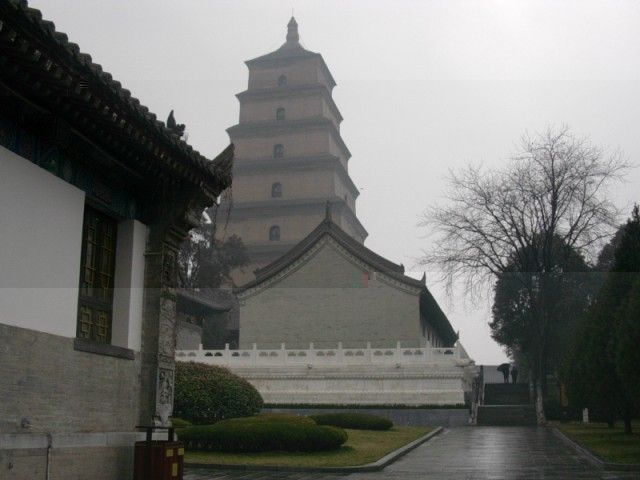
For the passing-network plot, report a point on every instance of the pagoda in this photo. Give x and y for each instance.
(290, 157)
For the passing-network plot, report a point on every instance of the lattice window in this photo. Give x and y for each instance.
(276, 190)
(274, 233)
(280, 114)
(282, 80)
(96, 276)
(278, 151)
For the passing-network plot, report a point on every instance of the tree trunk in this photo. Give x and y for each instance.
(627, 425)
(542, 420)
(532, 389)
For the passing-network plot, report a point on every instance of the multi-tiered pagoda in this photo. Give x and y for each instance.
(290, 157)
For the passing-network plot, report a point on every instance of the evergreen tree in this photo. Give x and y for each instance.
(628, 354)
(600, 370)
(513, 324)
(628, 321)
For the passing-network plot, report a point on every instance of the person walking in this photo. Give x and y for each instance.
(514, 374)
(504, 368)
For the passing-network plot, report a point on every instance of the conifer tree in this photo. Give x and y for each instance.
(601, 373)
(628, 321)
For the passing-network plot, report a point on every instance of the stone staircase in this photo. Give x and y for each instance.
(506, 404)
(506, 394)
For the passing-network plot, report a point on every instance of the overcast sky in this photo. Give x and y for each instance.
(424, 86)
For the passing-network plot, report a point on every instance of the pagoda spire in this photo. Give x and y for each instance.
(292, 31)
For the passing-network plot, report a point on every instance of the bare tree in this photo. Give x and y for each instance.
(553, 190)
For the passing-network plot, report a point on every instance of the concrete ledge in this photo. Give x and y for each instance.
(593, 458)
(21, 441)
(82, 345)
(376, 466)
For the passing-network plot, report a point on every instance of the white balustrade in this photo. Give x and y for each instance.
(312, 356)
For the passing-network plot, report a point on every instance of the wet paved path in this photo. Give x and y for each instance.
(466, 453)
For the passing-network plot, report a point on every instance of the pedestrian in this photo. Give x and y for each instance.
(514, 374)
(504, 368)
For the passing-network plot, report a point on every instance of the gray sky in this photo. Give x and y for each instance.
(423, 86)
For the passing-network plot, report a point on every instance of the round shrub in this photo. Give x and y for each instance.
(356, 421)
(205, 394)
(258, 435)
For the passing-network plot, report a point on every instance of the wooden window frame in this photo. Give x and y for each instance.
(97, 276)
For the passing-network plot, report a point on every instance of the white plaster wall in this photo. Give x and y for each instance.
(129, 284)
(40, 240)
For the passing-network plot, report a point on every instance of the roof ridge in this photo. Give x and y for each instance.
(355, 248)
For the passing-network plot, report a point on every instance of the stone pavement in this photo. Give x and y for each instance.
(466, 453)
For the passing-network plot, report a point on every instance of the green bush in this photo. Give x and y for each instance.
(205, 394)
(263, 434)
(180, 423)
(356, 421)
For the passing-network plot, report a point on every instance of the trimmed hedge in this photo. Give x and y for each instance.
(205, 394)
(260, 434)
(180, 423)
(362, 406)
(273, 418)
(356, 421)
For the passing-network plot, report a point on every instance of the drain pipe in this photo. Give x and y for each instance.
(26, 424)
(48, 464)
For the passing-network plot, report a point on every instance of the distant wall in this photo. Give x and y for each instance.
(328, 300)
(188, 335)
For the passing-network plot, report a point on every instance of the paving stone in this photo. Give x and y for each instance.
(469, 453)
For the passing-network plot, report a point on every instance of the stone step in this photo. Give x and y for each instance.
(506, 394)
(506, 415)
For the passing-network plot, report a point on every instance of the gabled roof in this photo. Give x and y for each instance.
(204, 301)
(42, 65)
(429, 308)
(432, 312)
(355, 248)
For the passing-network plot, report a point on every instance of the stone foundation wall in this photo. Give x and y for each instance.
(357, 386)
(57, 389)
(107, 463)
(87, 403)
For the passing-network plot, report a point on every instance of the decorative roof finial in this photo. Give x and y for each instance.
(175, 127)
(327, 212)
(292, 31)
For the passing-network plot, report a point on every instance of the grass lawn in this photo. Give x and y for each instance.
(363, 446)
(611, 445)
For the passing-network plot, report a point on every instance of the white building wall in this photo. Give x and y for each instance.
(40, 241)
(129, 284)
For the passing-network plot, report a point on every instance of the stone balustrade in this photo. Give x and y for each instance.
(311, 357)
